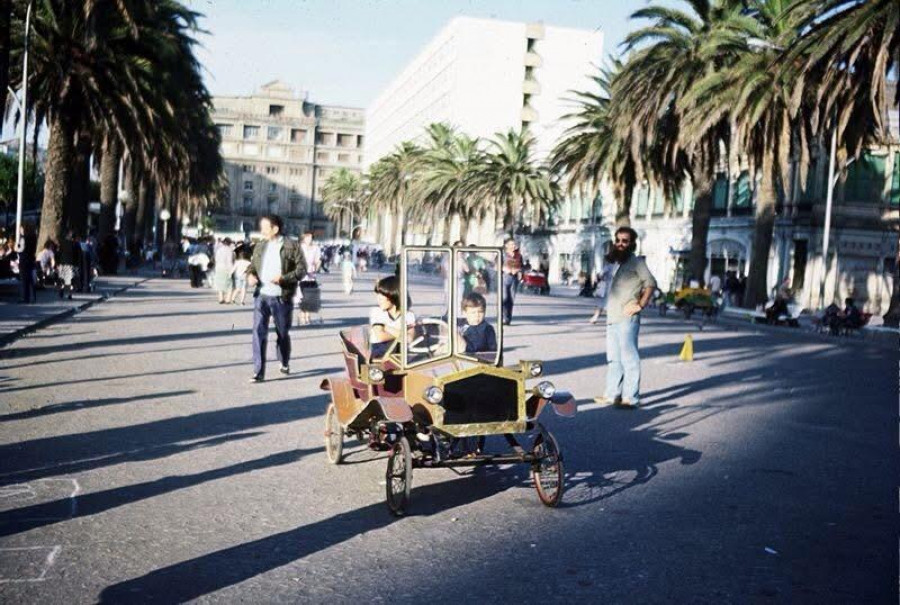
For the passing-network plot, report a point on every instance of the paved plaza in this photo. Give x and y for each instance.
(138, 464)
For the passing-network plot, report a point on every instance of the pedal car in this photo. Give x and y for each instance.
(434, 396)
(536, 282)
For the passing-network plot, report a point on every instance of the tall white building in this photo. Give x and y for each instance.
(486, 76)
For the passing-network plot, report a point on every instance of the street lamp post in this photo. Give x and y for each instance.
(23, 109)
(829, 199)
(164, 216)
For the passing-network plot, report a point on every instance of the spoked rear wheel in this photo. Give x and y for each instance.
(398, 477)
(334, 436)
(547, 472)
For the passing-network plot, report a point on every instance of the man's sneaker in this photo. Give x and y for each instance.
(285, 370)
(604, 400)
(257, 378)
(626, 403)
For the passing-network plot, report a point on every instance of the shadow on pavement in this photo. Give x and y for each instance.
(40, 515)
(69, 406)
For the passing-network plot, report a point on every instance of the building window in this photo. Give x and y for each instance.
(324, 138)
(659, 202)
(343, 157)
(296, 171)
(276, 110)
(643, 200)
(345, 140)
(273, 187)
(248, 204)
(865, 179)
(359, 141)
(743, 193)
(248, 168)
(272, 204)
(251, 132)
(296, 205)
(298, 135)
(248, 185)
(273, 133)
(321, 156)
(271, 169)
(720, 194)
(225, 130)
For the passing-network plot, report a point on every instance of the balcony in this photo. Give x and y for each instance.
(531, 87)
(532, 59)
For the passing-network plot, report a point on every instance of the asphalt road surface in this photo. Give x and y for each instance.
(138, 464)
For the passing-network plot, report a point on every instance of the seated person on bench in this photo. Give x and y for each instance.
(478, 335)
(385, 319)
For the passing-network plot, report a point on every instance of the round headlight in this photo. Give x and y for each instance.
(546, 389)
(536, 369)
(434, 395)
(376, 374)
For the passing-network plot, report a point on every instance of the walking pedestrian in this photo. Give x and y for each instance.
(26, 252)
(241, 265)
(68, 261)
(277, 267)
(512, 273)
(198, 264)
(630, 290)
(47, 262)
(311, 252)
(348, 272)
(224, 271)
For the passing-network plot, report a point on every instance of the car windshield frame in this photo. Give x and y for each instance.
(453, 311)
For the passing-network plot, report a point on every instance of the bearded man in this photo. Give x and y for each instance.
(629, 292)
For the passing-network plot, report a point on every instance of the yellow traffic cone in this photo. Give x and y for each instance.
(687, 351)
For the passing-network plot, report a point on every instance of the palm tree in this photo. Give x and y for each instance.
(390, 181)
(592, 149)
(755, 100)
(667, 59)
(124, 69)
(841, 60)
(447, 172)
(341, 193)
(513, 182)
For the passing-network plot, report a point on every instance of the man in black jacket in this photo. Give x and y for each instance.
(276, 268)
(26, 249)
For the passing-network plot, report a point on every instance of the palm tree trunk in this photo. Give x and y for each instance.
(76, 209)
(129, 218)
(464, 220)
(623, 208)
(395, 229)
(58, 179)
(757, 274)
(700, 227)
(448, 222)
(109, 187)
(140, 214)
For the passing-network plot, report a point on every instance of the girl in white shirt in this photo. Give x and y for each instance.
(385, 319)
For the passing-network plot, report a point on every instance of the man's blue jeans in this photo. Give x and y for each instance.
(623, 372)
(509, 295)
(265, 307)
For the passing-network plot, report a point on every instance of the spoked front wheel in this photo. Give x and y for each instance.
(334, 436)
(398, 477)
(547, 472)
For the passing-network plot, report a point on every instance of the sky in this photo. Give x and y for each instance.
(344, 52)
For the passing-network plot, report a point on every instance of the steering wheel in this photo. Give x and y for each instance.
(430, 344)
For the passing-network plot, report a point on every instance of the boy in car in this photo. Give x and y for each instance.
(478, 335)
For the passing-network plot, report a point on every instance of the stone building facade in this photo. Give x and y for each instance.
(279, 148)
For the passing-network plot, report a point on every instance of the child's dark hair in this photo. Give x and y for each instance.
(474, 299)
(389, 287)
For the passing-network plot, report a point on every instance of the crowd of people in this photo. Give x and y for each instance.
(68, 265)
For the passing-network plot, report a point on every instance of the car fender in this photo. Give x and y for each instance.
(394, 409)
(563, 404)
